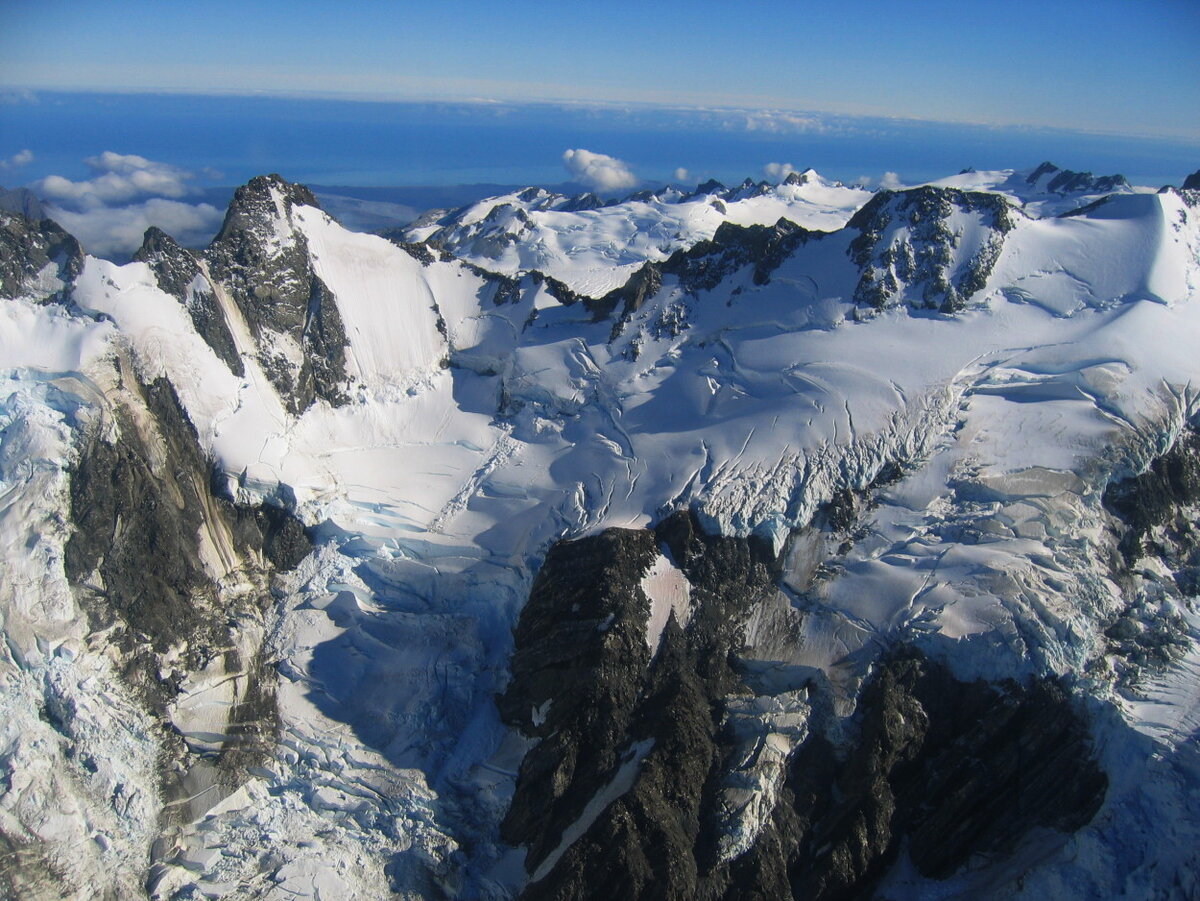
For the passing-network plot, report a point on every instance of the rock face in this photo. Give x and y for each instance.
(178, 578)
(1192, 182)
(1052, 180)
(659, 772)
(622, 658)
(944, 769)
(929, 247)
(176, 575)
(262, 260)
(23, 201)
(179, 274)
(1156, 516)
(704, 265)
(38, 260)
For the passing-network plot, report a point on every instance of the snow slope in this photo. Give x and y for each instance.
(1045, 190)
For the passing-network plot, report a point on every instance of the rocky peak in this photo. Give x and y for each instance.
(750, 188)
(585, 201)
(23, 201)
(702, 266)
(1050, 179)
(531, 194)
(38, 260)
(800, 178)
(1192, 182)
(710, 187)
(178, 273)
(264, 194)
(911, 246)
(261, 258)
(173, 266)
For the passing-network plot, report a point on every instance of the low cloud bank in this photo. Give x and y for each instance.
(127, 193)
(119, 177)
(118, 231)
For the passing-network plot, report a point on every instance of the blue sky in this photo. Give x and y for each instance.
(130, 114)
(1116, 66)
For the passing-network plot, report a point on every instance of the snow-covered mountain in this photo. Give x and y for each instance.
(768, 542)
(593, 246)
(1045, 190)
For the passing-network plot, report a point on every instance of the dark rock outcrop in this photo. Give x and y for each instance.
(611, 709)
(38, 260)
(176, 271)
(148, 534)
(263, 261)
(712, 187)
(626, 793)
(1156, 516)
(642, 285)
(945, 769)
(1067, 181)
(908, 250)
(1192, 182)
(1158, 499)
(703, 266)
(422, 253)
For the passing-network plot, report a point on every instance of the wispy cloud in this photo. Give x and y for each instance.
(599, 170)
(782, 122)
(18, 159)
(17, 95)
(891, 182)
(777, 172)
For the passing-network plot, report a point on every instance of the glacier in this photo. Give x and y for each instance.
(915, 405)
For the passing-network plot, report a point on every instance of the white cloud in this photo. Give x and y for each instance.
(119, 178)
(110, 212)
(782, 122)
(681, 174)
(863, 181)
(777, 172)
(891, 182)
(598, 170)
(107, 231)
(20, 158)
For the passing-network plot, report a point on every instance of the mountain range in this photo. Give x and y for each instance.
(770, 541)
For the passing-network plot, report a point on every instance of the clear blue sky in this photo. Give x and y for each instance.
(1120, 66)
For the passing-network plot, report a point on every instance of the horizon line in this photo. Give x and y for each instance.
(468, 100)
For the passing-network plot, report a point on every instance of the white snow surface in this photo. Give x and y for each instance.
(463, 456)
(621, 782)
(1033, 194)
(594, 251)
(670, 595)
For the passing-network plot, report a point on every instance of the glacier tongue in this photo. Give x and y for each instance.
(467, 423)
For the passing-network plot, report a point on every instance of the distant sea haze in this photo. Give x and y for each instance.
(226, 140)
